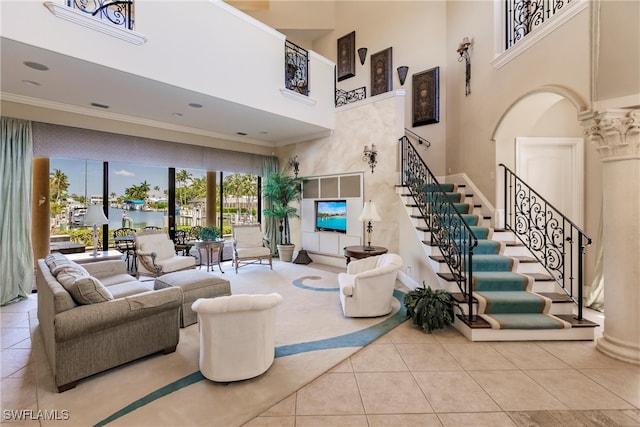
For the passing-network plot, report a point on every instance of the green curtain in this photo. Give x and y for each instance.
(16, 261)
(270, 165)
(595, 298)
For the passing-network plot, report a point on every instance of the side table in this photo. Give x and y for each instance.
(213, 249)
(87, 257)
(359, 252)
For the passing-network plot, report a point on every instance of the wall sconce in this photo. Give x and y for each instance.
(362, 53)
(402, 73)
(294, 164)
(370, 156)
(463, 50)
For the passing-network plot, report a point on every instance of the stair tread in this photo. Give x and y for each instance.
(540, 277)
(575, 323)
(556, 297)
(524, 259)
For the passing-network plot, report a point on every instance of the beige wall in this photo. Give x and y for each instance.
(618, 65)
(415, 31)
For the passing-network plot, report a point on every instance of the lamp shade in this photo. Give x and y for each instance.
(95, 216)
(369, 212)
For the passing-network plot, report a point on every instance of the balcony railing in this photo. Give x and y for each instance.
(344, 97)
(119, 13)
(523, 16)
(296, 68)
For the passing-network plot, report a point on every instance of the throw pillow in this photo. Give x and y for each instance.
(83, 289)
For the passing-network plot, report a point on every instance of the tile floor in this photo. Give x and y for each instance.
(409, 378)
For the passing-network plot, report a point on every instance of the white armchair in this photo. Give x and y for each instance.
(250, 246)
(366, 289)
(156, 254)
(237, 335)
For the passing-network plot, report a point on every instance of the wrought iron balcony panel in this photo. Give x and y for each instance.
(344, 97)
(296, 73)
(524, 16)
(119, 13)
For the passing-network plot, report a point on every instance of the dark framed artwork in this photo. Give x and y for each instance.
(347, 56)
(381, 80)
(426, 97)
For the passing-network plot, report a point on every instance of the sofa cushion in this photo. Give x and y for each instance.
(83, 289)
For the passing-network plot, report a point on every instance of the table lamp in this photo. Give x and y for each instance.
(95, 216)
(369, 214)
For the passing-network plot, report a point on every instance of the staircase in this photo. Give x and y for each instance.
(505, 293)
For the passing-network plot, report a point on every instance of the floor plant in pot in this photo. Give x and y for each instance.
(279, 191)
(430, 309)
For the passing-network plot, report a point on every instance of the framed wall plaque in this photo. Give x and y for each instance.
(381, 80)
(426, 97)
(347, 56)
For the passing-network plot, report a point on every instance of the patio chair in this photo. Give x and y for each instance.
(250, 246)
(156, 254)
(123, 240)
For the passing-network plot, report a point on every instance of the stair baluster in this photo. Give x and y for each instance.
(553, 239)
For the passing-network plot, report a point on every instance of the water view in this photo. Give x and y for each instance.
(138, 219)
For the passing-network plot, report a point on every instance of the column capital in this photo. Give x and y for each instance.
(615, 134)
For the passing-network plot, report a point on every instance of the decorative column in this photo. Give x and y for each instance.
(40, 217)
(616, 136)
(212, 200)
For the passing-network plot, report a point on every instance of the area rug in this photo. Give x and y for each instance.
(312, 337)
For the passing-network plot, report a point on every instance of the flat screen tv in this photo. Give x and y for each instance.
(331, 215)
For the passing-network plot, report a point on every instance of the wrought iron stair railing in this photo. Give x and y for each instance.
(448, 230)
(554, 240)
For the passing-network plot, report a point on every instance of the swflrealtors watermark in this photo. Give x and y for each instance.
(35, 414)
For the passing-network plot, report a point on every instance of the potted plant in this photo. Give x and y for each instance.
(279, 191)
(209, 233)
(430, 309)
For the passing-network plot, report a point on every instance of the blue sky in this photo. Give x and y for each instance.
(121, 175)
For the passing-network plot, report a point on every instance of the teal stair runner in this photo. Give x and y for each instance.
(504, 297)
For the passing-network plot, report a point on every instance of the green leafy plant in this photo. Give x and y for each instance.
(279, 190)
(430, 309)
(209, 233)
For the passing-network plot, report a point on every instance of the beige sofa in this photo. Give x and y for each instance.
(101, 318)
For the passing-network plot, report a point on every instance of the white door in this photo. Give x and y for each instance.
(554, 168)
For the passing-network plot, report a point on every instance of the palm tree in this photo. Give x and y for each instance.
(281, 189)
(233, 185)
(60, 183)
(182, 177)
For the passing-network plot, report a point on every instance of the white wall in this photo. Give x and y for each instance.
(204, 46)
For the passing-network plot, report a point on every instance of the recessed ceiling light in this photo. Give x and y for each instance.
(195, 105)
(241, 133)
(36, 65)
(30, 83)
(95, 104)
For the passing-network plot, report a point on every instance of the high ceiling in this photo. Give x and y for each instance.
(73, 85)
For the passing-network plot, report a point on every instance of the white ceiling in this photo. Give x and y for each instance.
(71, 84)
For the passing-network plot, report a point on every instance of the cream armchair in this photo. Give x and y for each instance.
(250, 246)
(156, 254)
(237, 335)
(366, 289)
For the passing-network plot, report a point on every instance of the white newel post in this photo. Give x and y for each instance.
(616, 136)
